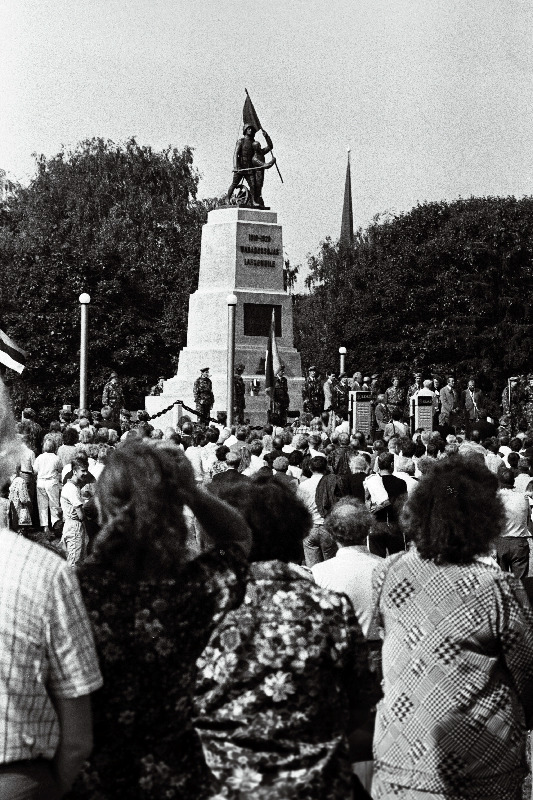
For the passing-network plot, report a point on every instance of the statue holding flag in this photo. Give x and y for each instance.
(248, 160)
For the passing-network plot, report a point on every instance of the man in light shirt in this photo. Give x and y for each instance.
(350, 571)
(512, 548)
(318, 545)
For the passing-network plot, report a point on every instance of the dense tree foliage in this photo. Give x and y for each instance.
(446, 288)
(122, 223)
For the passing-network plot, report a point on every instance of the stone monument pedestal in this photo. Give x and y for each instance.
(242, 254)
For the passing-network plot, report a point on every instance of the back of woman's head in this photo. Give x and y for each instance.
(278, 520)
(49, 445)
(141, 509)
(70, 436)
(455, 512)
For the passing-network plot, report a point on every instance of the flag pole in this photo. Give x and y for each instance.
(272, 151)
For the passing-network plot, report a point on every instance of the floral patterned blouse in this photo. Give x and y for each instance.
(148, 637)
(276, 686)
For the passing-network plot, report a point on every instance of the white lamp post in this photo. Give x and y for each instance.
(342, 354)
(84, 300)
(231, 300)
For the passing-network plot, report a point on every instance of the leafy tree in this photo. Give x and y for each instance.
(122, 223)
(444, 288)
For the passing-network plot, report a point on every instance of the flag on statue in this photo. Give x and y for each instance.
(272, 360)
(249, 116)
(11, 355)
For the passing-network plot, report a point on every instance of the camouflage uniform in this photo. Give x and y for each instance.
(313, 396)
(239, 403)
(112, 396)
(204, 398)
(281, 399)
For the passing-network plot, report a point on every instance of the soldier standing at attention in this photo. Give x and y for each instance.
(281, 396)
(239, 392)
(112, 397)
(313, 394)
(203, 396)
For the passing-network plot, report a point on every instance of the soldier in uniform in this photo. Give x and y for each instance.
(527, 398)
(203, 396)
(281, 396)
(157, 388)
(112, 397)
(239, 392)
(313, 393)
(342, 392)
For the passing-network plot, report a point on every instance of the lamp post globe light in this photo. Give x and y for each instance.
(231, 300)
(342, 355)
(84, 300)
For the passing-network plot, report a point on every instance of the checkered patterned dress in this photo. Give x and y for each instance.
(457, 659)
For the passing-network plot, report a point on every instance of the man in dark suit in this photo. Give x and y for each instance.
(471, 402)
(231, 475)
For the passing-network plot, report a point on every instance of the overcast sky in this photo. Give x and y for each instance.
(434, 97)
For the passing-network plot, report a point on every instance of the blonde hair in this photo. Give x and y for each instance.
(9, 442)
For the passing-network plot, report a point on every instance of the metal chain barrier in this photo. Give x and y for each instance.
(180, 402)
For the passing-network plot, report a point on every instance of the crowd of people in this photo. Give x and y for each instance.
(291, 611)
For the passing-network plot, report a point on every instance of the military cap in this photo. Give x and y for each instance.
(365, 380)
(343, 375)
(375, 377)
(312, 367)
(204, 369)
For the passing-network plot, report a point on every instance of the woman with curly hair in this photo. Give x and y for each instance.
(285, 676)
(457, 649)
(153, 606)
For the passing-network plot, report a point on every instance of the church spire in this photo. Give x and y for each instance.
(346, 237)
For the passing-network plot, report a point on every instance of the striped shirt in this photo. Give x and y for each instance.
(46, 647)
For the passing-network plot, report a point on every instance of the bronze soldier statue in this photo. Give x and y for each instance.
(248, 162)
(313, 393)
(281, 397)
(113, 397)
(203, 396)
(239, 392)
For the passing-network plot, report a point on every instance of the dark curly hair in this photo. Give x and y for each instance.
(70, 436)
(455, 512)
(278, 520)
(143, 530)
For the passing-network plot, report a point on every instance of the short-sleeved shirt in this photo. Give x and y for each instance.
(457, 666)
(70, 500)
(46, 647)
(47, 467)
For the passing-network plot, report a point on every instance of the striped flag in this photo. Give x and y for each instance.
(11, 355)
(272, 360)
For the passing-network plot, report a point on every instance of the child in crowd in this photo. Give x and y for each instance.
(8, 515)
(74, 539)
(20, 497)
